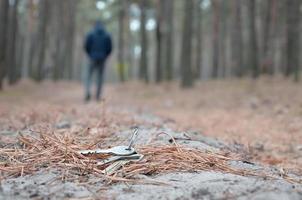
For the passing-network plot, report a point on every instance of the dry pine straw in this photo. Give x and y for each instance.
(60, 152)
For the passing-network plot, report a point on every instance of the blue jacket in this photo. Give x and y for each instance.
(98, 44)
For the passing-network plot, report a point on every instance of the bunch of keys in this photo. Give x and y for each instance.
(120, 155)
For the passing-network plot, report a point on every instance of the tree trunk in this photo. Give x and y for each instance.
(19, 55)
(39, 57)
(198, 21)
(159, 41)
(11, 46)
(269, 32)
(237, 40)
(282, 35)
(130, 45)
(4, 7)
(266, 33)
(186, 50)
(58, 35)
(293, 37)
(70, 34)
(169, 39)
(28, 38)
(121, 36)
(223, 37)
(253, 53)
(143, 73)
(216, 50)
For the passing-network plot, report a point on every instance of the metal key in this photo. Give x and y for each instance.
(115, 158)
(118, 151)
(133, 137)
(111, 169)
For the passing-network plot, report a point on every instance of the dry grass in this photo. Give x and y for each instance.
(44, 152)
(60, 152)
(171, 158)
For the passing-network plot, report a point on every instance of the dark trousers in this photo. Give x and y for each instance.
(97, 67)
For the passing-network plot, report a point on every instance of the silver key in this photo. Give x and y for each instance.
(112, 168)
(133, 137)
(118, 151)
(115, 158)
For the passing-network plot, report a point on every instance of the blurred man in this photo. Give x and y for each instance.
(98, 46)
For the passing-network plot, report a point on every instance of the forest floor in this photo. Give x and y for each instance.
(259, 120)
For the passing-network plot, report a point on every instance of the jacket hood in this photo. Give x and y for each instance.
(99, 28)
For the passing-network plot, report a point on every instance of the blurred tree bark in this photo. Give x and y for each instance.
(143, 70)
(198, 36)
(130, 45)
(169, 12)
(58, 49)
(293, 37)
(12, 43)
(39, 51)
(215, 35)
(160, 7)
(269, 31)
(29, 30)
(281, 36)
(19, 52)
(4, 7)
(186, 49)
(237, 39)
(121, 39)
(253, 47)
(223, 36)
(70, 23)
(164, 40)
(64, 38)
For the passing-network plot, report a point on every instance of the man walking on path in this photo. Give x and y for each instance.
(98, 46)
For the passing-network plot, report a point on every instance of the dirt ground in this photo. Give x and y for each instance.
(261, 119)
(264, 115)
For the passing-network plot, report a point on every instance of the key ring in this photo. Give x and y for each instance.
(133, 137)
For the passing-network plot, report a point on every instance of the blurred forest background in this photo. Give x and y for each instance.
(154, 40)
